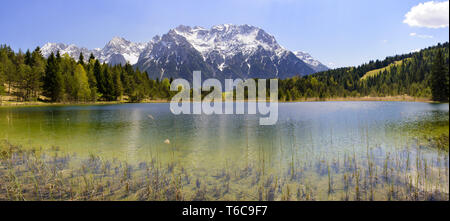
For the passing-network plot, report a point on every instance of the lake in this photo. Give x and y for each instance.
(316, 151)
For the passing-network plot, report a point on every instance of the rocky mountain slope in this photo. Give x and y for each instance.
(223, 51)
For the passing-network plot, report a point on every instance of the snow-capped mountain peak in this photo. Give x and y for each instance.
(120, 51)
(117, 51)
(221, 51)
(72, 50)
(308, 59)
(225, 50)
(118, 41)
(228, 39)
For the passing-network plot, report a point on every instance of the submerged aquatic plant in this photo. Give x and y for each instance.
(39, 174)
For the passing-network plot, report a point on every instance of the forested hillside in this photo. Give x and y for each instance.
(409, 74)
(60, 78)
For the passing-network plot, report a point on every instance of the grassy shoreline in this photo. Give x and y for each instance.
(368, 98)
(389, 99)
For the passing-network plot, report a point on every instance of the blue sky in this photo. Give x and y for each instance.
(338, 33)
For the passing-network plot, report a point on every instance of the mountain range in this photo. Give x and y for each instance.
(223, 51)
(117, 51)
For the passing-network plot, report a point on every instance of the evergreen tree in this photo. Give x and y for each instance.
(3, 69)
(10, 73)
(91, 58)
(37, 72)
(81, 59)
(92, 80)
(118, 88)
(440, 79)
(23, 85)
(98, 73)
(28, 57)
(58, 56)
(53, 80)
(108, 85)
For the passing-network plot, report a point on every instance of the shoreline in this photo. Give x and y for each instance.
(336, 99)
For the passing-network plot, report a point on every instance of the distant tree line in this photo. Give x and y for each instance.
(420, 74)
(59, 78)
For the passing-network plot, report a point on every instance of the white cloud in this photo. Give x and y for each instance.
(429, 15)
(385, 41)
(420, 36)
(415, 50)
